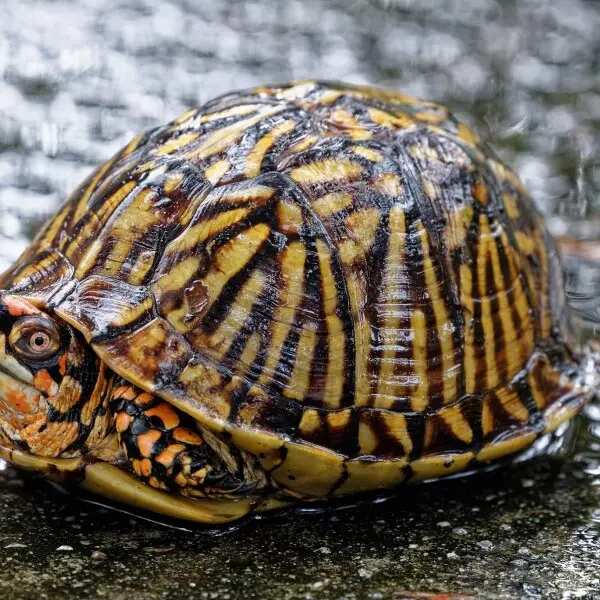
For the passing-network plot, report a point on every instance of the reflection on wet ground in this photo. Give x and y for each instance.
(78, 79)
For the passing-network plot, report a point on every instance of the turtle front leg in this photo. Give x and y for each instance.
(169, 451)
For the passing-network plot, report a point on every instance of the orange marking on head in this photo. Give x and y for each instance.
(43, 381)
(17, 399)
(166, 414)
(18, 307)
(182, 434)
(136, 467)
(62, 364)
(147, 440)
(167, 456)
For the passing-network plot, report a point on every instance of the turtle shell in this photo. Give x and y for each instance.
(339, 279)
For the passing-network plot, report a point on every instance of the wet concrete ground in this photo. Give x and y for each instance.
(79, 79)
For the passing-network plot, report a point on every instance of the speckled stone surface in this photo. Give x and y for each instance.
(79, 78)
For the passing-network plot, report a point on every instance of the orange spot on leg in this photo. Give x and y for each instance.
(168, 455)
(182, 434)
(147, 440)
(166, 414)
(122, 422)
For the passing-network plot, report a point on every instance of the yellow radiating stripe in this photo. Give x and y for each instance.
(538, 397)
(344, 119)
(204, 230)
(512, 342)
(389, 184)
(231, 258)
(487, 416)
(453, 417)
(467, 134)
(249, 353)
(292, 273)
(385, 119)
(420, 395)
(176, 143)
(327, 205)
(328, 169)
(46, 236)
(186, 116)
(466, 300)
(261, 193)
(82, 205)
(107, 208)
(234, 111)
(172, 182)
(300, 379)
(545, 310)
(487, 323)
(129, 315)
(334, 382)
(142, 267)
(307, 142)
(132, 225)
(511, 207)
(362, 340)
(512, 404)
(221, 139)
(395, 260)
(289, 217)
(442, 321)
(257, 154)
(222, 338)
(397, 428)
(361, 227)
(367, 439)
(178, 275)
(217, 170)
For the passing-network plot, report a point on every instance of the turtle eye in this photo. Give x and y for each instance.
(34, 337)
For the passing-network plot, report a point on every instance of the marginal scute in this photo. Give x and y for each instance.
(311, 470)
(431, 466)
(371, 475)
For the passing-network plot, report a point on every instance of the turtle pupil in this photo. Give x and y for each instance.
(39, 342)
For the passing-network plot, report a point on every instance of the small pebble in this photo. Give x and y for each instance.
(98, 556)
(365, 573)
(452, 555)
(460, 531)
(485, 545)
(64, 549)
(443, 524)
(16, 545)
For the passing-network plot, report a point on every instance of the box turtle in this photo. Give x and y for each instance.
(292, 293)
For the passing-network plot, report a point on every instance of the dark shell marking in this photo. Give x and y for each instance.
(335, 277)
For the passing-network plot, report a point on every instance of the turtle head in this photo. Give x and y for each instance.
(53, 388)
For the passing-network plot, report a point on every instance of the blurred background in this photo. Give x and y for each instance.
(79, 78)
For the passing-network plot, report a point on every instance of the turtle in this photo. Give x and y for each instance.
(292, 293)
